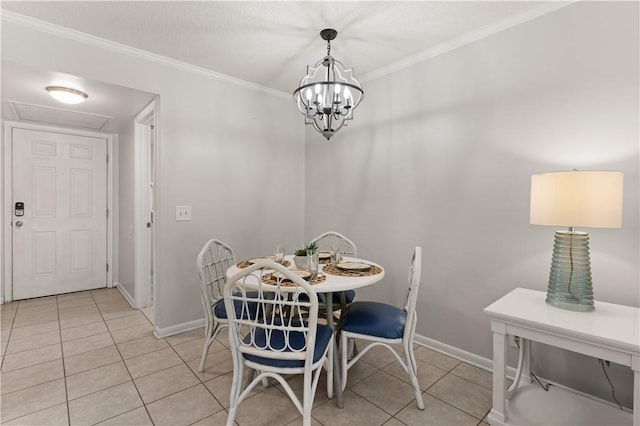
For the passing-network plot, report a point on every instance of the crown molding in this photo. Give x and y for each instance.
(57, 30)
(440, 49)
(464, 39)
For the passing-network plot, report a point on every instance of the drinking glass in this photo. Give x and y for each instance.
(334, 251)
(312, 260)
(278, 254)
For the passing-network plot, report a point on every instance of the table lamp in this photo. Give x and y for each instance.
(586, 199)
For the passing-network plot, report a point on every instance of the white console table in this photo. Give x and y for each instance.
(610, 332)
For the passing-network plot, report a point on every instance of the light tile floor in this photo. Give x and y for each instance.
(88, 358)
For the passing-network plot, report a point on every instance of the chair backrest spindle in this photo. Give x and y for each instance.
(213, 261)
(415, 273)
(279, 330)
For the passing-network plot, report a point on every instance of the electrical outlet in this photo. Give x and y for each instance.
(604, 361)
(183, 212)
(514, 341)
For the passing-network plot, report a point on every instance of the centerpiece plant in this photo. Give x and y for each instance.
(300, 255)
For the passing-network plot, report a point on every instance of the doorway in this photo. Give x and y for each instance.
(57, 186)
(145, 209)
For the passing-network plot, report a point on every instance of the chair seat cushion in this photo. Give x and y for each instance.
(296, 341)
(375, 319)
(220, 311)
(349, 295)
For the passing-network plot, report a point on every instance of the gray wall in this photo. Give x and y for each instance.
(441, 154)
(235, 154)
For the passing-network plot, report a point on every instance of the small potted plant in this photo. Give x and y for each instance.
(300, 255)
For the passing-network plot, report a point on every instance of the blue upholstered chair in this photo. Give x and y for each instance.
(213, 261)
(280, 340)
(384, 325)
(347, 247)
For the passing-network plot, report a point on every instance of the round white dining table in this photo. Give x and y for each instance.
(333, 284)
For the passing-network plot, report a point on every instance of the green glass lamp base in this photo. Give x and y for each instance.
(570, 285)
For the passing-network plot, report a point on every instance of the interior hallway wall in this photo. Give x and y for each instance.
(126, 201)
(441, 155)
(235, 154)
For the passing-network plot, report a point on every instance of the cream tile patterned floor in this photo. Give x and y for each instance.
(88, 358)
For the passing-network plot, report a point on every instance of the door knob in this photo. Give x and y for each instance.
(19, 223)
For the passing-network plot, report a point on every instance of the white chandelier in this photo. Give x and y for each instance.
(329, 92)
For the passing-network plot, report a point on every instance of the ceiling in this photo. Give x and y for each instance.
(270, 43)
(26, 87)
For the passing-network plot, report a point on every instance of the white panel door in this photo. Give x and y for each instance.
(60, 243)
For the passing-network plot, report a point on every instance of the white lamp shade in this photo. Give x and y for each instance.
(586, 199)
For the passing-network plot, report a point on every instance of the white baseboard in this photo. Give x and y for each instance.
(462, 355)
(126, 295)
(178, 328)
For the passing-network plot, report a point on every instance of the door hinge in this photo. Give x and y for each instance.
(107, 267)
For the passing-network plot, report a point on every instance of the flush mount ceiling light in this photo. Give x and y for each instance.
(66, 95)
(329, 93)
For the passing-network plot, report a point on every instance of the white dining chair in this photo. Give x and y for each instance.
(326, 241)
(381, 324)
(214, 259)
(280, 340)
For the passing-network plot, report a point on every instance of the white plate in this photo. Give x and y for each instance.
(260, 259)
(353, 266)
(299, 272)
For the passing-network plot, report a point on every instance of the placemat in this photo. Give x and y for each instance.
(334, 270)
(245, 264)
(269, 279)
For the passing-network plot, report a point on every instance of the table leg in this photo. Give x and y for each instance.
(498, 414)
(526, 369)
(523, 367)
(337, 382)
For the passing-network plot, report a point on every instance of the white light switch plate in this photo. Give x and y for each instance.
(183, 212)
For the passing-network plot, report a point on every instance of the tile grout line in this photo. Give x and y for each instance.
(201, 381)
(448, 372)
(381, 370)
(33, 365)
(451, 405)
(198, 377)
(18, 369)
(471, 381)
(64, 371)
(183, 362)
(13, 320)
(126, 368)
(458, 408)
